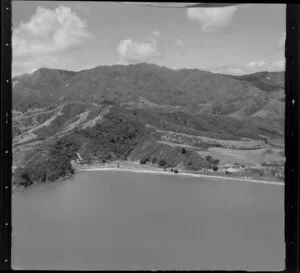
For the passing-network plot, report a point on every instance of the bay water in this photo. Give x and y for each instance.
(106, 220)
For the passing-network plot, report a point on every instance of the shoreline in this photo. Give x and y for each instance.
(16, 186)
(135, 167)
(153, 171)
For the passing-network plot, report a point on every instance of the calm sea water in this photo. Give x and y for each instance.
(117, 220)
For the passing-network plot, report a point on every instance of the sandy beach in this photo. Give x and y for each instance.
(136, 168)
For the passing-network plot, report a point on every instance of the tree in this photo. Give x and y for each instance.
(216, 161)
(144, 160)
(108, 157)
(44, 177)
(162, 162)
(208, 158)
(153, 160)
(215, 168)
(26, 181)
(183, 150)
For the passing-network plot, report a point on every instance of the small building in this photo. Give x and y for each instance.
(233, 170)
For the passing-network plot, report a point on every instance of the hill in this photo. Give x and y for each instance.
(132, 112)
(267, 81)
(192, 90)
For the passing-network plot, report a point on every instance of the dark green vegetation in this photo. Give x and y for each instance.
(112, 139)
(138, 112)
(49, 166)
(168, 156)
(215, 168)
(115, 138)
(211, 160)
(150, 86)
(222, 127)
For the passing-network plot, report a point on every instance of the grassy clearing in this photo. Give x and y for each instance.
(248, 157)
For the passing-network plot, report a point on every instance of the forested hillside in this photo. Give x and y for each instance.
(139, 112)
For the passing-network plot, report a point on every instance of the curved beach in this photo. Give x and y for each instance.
(135, 168)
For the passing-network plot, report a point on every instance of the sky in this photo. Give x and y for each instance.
(239, 39)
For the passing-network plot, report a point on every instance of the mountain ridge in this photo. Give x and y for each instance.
(186, 87)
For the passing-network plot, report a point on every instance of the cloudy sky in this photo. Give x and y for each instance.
(75, 36)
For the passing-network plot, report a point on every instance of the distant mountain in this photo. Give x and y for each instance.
(267, 81)
(191, 90)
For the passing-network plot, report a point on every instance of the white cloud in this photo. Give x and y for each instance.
(235, 71)
(156, 33)
(225, 69)
(134, 51)
(179, 42)
(212, 19)
(251, 67)
(254, 65)
(175, 67)
(277, 65)
(47, 34)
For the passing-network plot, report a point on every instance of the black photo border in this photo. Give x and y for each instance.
(292, 136)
